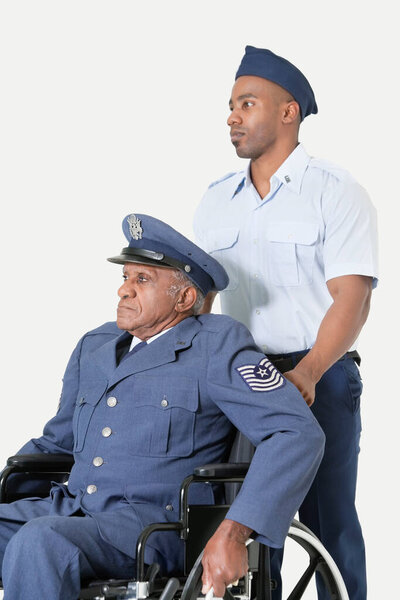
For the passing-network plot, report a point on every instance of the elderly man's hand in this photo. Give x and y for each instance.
(225, 556)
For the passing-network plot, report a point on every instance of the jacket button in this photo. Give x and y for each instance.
(91, 489)
(164, 402)
(111, 401)
(98, 461)
(106, 431)
(169, 507)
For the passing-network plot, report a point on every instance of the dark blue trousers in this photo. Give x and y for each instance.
(329, 507)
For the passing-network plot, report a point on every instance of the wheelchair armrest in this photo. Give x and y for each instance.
(41, 463)
(218, 470)
(31, 474)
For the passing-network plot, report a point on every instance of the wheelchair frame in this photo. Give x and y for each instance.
(146, 585)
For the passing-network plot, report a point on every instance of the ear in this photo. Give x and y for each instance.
(291, 112)
(186, 299)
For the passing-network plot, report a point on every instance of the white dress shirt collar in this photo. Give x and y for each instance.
(135, 341)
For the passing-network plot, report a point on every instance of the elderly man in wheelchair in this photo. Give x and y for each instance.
(146, 403)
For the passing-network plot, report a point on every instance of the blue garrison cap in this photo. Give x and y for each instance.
(266, 64)
(153, 242)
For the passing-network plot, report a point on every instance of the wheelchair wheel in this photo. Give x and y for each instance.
(319, 561)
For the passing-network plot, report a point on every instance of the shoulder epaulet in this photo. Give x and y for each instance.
(227, 176)
(216, 322)
(338, 172)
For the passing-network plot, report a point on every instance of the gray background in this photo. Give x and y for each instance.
(112, 107)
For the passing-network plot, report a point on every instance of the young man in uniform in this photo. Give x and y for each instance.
(297, 237)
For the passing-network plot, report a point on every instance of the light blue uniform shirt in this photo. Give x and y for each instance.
(315, 224)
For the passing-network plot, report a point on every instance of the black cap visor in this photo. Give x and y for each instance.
(148, 257)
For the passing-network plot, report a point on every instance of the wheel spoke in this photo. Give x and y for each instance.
(304, 580)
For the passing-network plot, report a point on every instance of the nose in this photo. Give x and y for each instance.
(126, 290)
(234, 118)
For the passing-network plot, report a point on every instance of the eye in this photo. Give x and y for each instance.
(124, 277)
(248, 104)
(142, 279)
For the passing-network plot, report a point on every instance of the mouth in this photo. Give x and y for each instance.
(122, 307)
(236, 136)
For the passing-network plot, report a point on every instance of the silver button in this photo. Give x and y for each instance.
(169, 507)
(91, 489)
(98, 461)
(106, 431)
(164, 402)
(111, 401)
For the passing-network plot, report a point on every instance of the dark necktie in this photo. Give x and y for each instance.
(134, 349)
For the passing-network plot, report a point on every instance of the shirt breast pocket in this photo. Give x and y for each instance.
(222, 245)
(163, 416)
(86, 402)
(291, 252)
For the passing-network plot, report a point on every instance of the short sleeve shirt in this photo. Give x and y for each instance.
(316, 223)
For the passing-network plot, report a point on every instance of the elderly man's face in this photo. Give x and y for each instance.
(146, 304)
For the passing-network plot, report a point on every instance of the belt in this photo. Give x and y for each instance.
(286, 362)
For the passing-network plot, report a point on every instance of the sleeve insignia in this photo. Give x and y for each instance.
(263, 377)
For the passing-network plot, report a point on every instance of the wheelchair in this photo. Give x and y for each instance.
(195, 526)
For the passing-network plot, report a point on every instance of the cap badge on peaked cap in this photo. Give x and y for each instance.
(135, 227)
(153, 242)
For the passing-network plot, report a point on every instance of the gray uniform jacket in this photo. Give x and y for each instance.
(138, 428)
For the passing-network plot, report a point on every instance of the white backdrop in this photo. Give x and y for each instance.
(114, 107)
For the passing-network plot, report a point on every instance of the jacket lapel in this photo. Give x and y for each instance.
(105, 356)
(162, 351)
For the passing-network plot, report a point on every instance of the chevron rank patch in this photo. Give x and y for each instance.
(263, 377)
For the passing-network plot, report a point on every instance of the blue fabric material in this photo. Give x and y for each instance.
(175, 409)
(264, 63)
(49, 555)
(329, 507)
(156, 236)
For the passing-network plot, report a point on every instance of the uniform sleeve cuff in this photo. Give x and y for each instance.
(351, 269)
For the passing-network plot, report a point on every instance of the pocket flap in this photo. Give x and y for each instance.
(222, 238)
(165, 392)
(292, 232)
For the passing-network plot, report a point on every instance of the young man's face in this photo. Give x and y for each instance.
(257, 106)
